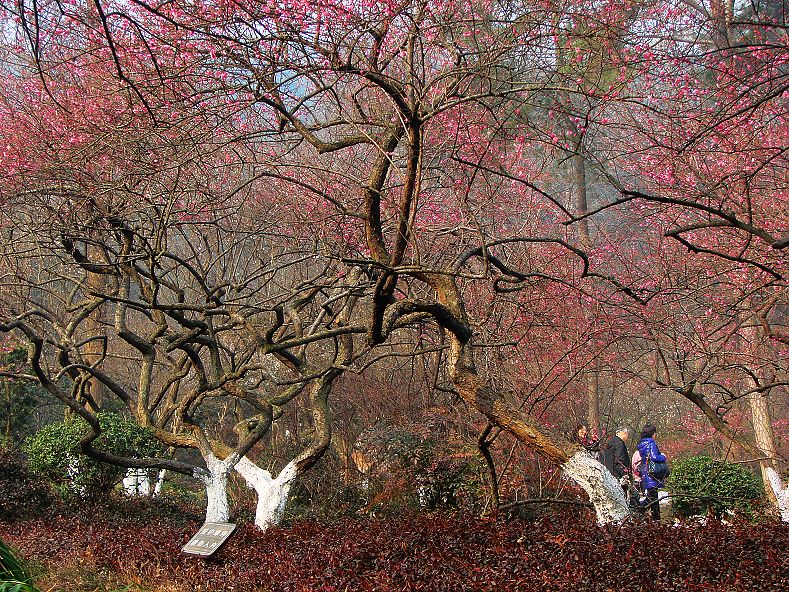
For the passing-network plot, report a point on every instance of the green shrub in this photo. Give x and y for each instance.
(447, 477)
(54, 453)
(700, 484)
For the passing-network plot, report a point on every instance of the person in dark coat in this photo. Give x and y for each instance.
(648, 449)
(615, 456)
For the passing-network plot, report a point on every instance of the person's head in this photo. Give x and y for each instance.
(581, 431)
(623, 432)
(648, 431)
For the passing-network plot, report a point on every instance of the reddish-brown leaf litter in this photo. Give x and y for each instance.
(563, 551)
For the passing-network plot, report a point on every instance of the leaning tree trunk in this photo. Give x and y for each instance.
(272, 492)
(604, 492)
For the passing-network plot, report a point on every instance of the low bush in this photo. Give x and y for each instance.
(445, 477)
(408, 471)
(323, 493)
(701, 485)
(53, 452)
(418, 470)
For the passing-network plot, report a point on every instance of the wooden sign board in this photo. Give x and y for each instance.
(208, 540)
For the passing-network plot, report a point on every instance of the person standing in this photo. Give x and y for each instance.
(615, 456)
(635, 466)
(616, 459)
(648, 450)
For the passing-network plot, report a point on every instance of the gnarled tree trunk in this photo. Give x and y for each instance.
(604, 492)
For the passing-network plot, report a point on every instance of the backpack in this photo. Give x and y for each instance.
(658, 470)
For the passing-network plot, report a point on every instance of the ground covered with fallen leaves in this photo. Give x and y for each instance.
(140, 549)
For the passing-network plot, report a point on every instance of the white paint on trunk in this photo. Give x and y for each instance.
(780, 490)
(215, 480)
(272, 493)
(599, 484)
(157, 486)
(136, 482)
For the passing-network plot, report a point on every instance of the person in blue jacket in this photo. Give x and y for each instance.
(648, 448)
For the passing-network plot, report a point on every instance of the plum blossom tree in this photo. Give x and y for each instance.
(200, 305)
(413, 142)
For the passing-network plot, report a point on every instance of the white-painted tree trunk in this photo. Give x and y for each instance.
(272, 493)
(157, 486)
(136, 482)
(604, 492)
(215, 480)
(780, 490)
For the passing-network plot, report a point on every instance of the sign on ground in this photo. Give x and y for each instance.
(208, 540)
